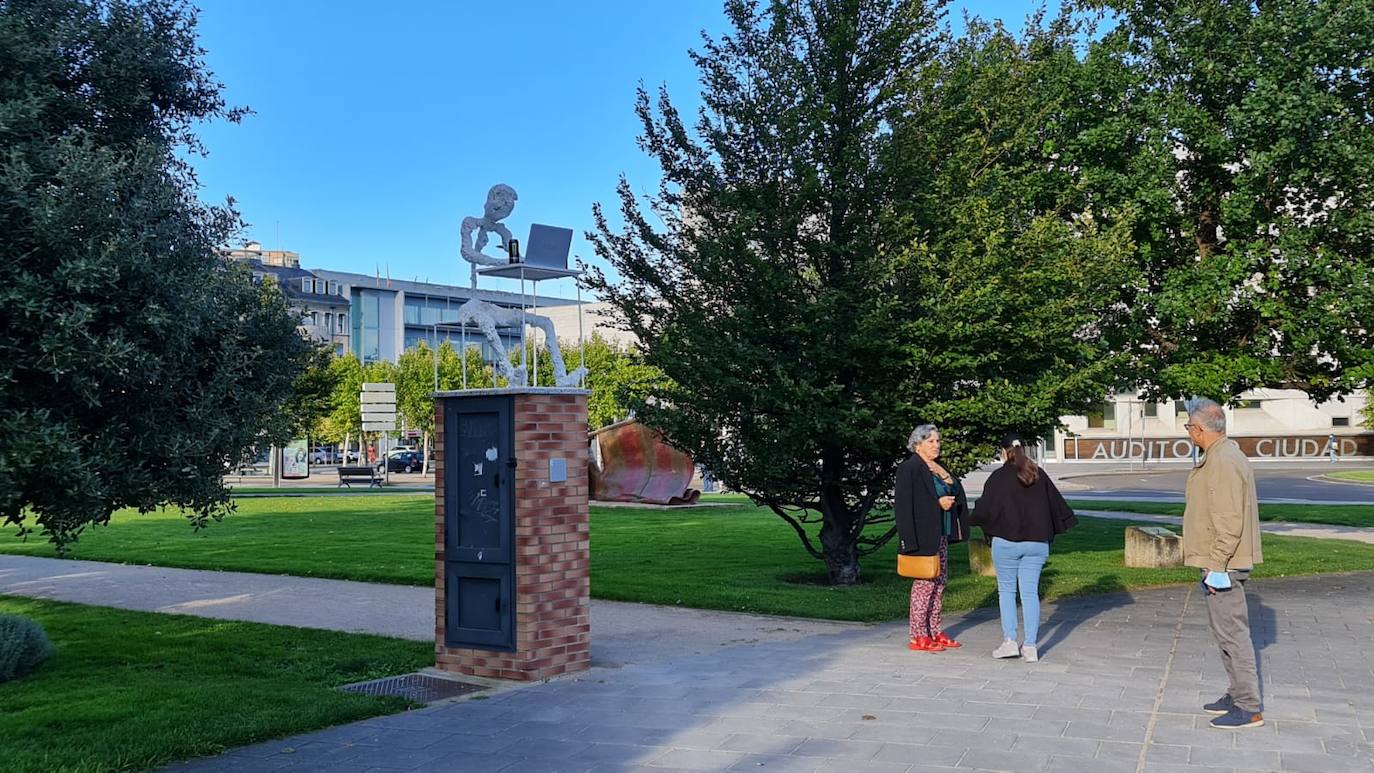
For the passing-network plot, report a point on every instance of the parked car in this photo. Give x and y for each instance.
(405, 461)
(324, 455)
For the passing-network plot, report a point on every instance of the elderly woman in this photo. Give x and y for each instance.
(932, 513)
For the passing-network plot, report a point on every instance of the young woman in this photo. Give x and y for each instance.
(1020, 511)
(932, 513)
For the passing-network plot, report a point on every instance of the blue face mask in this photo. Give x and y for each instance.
(1218, 580)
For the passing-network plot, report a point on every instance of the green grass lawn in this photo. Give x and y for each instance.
(298, 491)
(1338, 515)
(742, 559)
(132, 690)
(1358, 476)
(733, 557)
(369, 538)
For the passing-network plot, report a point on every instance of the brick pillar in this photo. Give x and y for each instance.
(552, 586)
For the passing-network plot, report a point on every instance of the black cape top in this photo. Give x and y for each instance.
(1018, 513)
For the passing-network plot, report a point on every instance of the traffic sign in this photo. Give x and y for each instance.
(378, 403)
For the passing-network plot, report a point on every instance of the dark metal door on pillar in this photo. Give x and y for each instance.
(479, 524)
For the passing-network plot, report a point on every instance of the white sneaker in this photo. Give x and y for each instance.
(1029, 654)
(1007, 650)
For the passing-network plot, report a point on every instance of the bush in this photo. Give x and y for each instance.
(23, 645)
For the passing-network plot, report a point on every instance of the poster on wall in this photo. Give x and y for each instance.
(295, 459)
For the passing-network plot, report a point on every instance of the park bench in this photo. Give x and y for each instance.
(368, 474)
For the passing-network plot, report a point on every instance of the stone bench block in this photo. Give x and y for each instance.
(1153, 547)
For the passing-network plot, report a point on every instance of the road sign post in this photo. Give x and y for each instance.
(378, 405)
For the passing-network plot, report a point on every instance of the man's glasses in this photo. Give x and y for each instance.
(1189, 425)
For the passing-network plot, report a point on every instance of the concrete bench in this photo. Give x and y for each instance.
(359, 474)
(1153, 547)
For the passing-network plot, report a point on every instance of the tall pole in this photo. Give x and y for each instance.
(534, 340)
(581, 340)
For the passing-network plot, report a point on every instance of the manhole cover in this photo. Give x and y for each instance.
(420, 688)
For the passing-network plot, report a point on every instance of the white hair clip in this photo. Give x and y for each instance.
(1016, 444)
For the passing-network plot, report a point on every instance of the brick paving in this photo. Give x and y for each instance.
(1118, 689)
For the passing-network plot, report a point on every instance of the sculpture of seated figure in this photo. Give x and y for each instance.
(476, 232)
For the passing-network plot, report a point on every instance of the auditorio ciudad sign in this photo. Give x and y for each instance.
(1258, 447)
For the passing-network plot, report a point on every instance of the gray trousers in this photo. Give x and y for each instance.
(1229, 618)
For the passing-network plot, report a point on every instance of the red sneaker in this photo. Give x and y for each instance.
(924, 644)
(944, 641)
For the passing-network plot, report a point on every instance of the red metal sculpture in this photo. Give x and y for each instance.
(631, 463)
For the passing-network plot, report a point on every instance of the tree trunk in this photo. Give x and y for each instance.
(429, 455)
(840, 551)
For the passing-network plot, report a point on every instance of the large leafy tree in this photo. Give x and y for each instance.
(135, 364)
(857, 235)
(1245, 141)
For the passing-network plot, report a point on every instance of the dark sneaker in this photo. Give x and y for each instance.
(1238, 718)
(1222, 705)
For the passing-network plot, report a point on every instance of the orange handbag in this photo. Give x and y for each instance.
(918, 567)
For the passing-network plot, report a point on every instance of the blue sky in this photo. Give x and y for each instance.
(377, 127)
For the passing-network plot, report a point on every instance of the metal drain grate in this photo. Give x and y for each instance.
(420, 688)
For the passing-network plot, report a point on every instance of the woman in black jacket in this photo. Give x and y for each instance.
(931, 512)
(1020, 511)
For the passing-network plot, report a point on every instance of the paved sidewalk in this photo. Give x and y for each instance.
(623, 632)
(1118, 689)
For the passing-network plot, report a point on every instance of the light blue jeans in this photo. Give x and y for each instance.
(1019, 563)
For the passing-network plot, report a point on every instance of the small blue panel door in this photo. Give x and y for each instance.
(479, 522)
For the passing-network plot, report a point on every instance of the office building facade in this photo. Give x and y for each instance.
(377, 318)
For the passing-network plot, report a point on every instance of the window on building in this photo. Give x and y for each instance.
(315, 318)
(343, 322)
(367, 326)
(328, 323)
(1103, 417)
(1151, 410)
(1340, 421)
(333, 288)
(307, 285)
(1249, 404)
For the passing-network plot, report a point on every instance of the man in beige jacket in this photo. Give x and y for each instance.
(1221, 537)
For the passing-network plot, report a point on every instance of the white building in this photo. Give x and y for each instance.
(388, 316)
(1268, 424)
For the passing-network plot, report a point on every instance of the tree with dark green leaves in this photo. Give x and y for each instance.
(1242, 134)
(864, 229)
(309, 405)
(136, 365)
